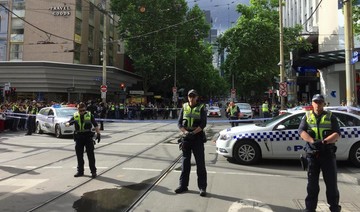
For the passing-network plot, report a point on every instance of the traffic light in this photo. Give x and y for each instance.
(12, 91)
(122, 86)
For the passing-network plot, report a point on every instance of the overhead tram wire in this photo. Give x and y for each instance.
(49, 34)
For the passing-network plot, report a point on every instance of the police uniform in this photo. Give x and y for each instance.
(32, 110)
(190, 118)
(321, 157)
(233, 111)
(83, 137)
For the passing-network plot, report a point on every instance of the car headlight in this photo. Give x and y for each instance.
(225, 137)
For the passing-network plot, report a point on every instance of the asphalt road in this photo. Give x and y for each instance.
(139, 160)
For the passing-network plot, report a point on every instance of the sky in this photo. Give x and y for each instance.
(223, 12)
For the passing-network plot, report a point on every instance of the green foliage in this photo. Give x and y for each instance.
(162, 35)
(252, 47)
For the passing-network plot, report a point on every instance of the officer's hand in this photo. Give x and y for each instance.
(98, 137)
(189, 135)
(318, 144)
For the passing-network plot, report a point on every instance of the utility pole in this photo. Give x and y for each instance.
(104, 55)
(349, 47)
(282, 63)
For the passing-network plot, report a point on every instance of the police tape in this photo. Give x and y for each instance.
(25, 116)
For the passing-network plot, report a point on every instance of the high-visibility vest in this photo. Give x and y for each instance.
(233, 110)
(319, 128)
(192, 116)
(83, 126)
(265, 107)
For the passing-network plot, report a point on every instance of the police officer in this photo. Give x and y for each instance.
(265, 109)
(84, 121)
(320, 129)
(191, 122)
(31, 110)
(233, 112)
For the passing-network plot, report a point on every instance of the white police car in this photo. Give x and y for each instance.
(52, 119)
(278, 138)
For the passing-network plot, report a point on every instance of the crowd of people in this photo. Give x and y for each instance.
(14, 115)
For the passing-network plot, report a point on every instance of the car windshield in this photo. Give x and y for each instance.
(244, 106)
(214, 108)
(65, 112)
(275, 119)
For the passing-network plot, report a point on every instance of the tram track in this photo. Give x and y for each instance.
(105, 171)
(73, 156)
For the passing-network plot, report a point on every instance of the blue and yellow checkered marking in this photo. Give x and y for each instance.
(350, 132)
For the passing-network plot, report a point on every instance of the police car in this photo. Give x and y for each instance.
(278, 138)
(52, 119)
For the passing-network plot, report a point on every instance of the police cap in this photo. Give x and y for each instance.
(193, 92)
(318, 97)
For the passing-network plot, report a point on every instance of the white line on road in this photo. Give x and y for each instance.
(24, 184)
(142, 169)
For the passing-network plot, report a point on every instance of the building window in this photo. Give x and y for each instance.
(91, 13)
(91, 34)
(77, 53)
(78, 26)
(90, 56)
(78, 5)
(16, 52)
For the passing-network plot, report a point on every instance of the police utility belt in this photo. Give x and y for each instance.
(326, 148)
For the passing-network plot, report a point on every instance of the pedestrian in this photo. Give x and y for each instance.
(320, 129)
(31, 110)
(192, 122)
(265, 109)
(83, 136)
(233, 112)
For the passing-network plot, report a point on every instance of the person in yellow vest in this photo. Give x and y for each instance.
(192, 122)
(233, 112)
(265, 109)
(320, 129)
(83, 136)
(31, 110)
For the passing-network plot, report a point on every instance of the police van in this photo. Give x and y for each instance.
(278, 138)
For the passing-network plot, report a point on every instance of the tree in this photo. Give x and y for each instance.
(252, 47)
(164, 35)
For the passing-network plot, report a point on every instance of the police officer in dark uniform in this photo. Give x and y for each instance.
(320, 129)
(84, 121)
(191, 122)
(31, 110)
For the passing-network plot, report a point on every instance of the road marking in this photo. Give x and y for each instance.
(141, 169)
(251, 205)
(53, 167)
(239, 173)
(30, 167)
(24, 184)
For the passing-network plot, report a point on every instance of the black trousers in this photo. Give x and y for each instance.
(30, 123)
(197, 148)
(81, 143)
(234, 123)
(324, 161)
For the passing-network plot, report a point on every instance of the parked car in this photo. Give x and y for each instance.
(245, 110)
(52, 119)
(278, 138)
(214, 111)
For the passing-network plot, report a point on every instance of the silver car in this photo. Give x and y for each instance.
(245, 110)
(52, 119)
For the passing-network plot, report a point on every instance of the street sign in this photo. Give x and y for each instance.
(233, 93)
(355, 57)
(103, 88)
(283, 89)
(7, 86)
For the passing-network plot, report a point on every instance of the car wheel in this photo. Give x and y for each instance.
(38, 129)
(246, 152)
(58, 131)
(354, 154)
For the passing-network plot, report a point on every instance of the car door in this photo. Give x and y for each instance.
(350, 128)
(49, 119)
(287, 142)
(42, 117)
